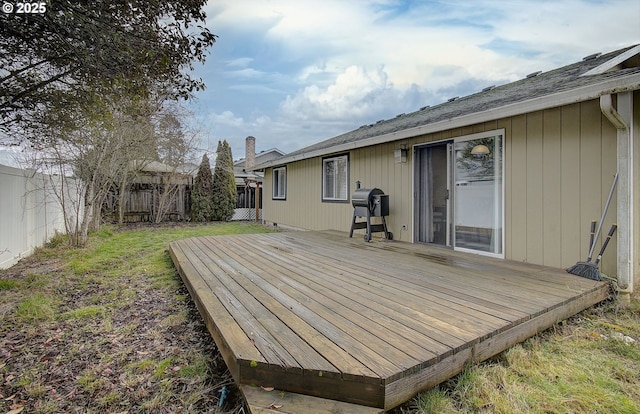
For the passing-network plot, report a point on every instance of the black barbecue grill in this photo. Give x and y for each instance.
(370, 202)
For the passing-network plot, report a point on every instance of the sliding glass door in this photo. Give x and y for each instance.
(433, 179)
(478, 194)
(460, 193)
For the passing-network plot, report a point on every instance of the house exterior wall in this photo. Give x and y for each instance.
(635, 233)
(559, 166)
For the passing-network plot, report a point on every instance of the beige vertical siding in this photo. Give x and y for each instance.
(551, 201)
(559, 164)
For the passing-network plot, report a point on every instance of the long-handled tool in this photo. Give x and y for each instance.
(604, 213)
(585, 269)
(591, 239)
(612, 230)
(590, 269)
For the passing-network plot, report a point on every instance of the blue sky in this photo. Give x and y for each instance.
(295, 72)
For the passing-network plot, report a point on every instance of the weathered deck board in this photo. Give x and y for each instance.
(319, 314)
(279, 402)
(303, 289)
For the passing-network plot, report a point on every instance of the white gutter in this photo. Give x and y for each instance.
(584, 93)
(622, 119)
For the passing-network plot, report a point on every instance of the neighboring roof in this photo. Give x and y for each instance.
(590, 78)
(242, 176)
(248, 181)
(158, 167)
(262, 157)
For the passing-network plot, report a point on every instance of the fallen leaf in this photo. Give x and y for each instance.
(275, 406)
(16, 410)
(267, 388)
(10, 397)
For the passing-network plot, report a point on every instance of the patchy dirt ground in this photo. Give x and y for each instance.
(77, 344)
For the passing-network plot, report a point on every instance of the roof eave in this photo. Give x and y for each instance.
(581, 94)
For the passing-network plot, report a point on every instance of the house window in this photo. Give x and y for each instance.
(280, 183)
(335, 178)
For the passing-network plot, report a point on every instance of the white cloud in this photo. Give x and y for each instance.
(308, 70)
(226, 118)
(353, 94)
(241, 62)
(245, 73)
(558, 28)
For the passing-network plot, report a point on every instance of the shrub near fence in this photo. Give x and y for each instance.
(30, 211)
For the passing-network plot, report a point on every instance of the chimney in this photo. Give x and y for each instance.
(250, 156)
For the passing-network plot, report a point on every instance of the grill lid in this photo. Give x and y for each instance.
(362, 197)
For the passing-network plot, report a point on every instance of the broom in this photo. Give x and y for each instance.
(583, 268)
(587, 269)
(590, 269)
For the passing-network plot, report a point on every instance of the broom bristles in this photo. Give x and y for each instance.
(589, 270)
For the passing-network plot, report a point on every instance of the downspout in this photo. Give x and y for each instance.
(606, 106)
(621, 120)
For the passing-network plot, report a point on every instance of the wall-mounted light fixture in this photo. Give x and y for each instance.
(400, 154)
(480, 151)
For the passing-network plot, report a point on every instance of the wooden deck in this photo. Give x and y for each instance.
(372, 324)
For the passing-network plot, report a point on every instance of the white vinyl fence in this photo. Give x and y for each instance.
(245, 214)
(30, 211)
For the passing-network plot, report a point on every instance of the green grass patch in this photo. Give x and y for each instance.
(35, 389)
(196, 369)
(91, 311)
(434, 401)
(142, 366)
(37, 307)
(6, 284)
(144, 250)
(35, 282)
(163, 367)
(156, 403)
(92, 382)
(109, 400)
(175, 319)
(57, 240)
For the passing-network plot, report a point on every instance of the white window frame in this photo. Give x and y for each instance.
(335, 185)
(279, 187)
(498, 191)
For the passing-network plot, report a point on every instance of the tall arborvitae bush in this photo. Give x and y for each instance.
(202, 193)
(224, 184)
